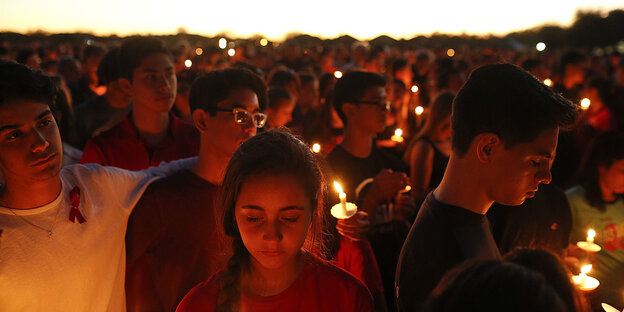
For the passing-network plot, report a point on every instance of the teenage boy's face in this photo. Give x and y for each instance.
(30, 143)
(225, 134)
(372, 117)
(154, 83)
(518, 171)
(273, 215)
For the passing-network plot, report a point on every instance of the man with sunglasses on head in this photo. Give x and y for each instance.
(172, 240)
(371, 177)
(150, 133)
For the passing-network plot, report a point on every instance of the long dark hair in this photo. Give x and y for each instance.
(555, 273)
(603, 151)
(273, 152)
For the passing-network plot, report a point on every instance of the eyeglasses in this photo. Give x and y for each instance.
(242, 116)
(381, 105)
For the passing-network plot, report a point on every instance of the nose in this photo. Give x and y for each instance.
(165, 83)
(543, 176)
(39, 143)
(273, 232)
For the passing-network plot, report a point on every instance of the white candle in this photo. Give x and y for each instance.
(584, 282)
(398, 136)
(342, 196)
(590, 235)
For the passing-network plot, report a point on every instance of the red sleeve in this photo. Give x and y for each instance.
(360, 261)
(202, 297)
(92, 154)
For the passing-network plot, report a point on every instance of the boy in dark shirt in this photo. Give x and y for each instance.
(371, 177)
(505, 125)
(172, 240)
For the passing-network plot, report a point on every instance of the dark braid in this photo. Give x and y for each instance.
(229, 293)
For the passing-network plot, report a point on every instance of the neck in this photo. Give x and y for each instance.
(269, 282)
(462, 187)
(152, 126)
(607, 194)
(28, 194)
(211, 165)
(358, 143)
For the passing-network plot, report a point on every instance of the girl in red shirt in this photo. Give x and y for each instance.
(272, 199)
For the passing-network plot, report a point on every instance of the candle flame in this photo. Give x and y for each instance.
(338, 74)
(407, 189)
(540, 46)
(591, 233)
(398, 132)
(222, 43)
(586, 268)
(264, 42)
(419, 110)
(231, 52)
(450, 52)
(414, 88)
(338, 187)
(316, 147)
(188, 63)
(548, 82)
(585, 103)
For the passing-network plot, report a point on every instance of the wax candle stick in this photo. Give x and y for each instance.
(584, 282)
(588, 244)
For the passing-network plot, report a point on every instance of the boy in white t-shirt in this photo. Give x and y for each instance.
(62, 245)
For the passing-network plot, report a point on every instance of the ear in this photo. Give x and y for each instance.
(200, 118)
(125, 85)
(349, 109)
(486, 145)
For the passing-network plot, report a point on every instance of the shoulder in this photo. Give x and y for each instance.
(202, 297)
(575, 194)
(334, 279)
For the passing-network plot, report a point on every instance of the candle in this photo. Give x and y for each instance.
(585, 103)
(589, 245)
(338, 74)
(584, 282)
(344, 210)
(419, 110)
(590, 235)
(316, 148)
(609, 308)
(397, 137)
(188, 63)
(414, 88)
(548, 82)
(222, 43)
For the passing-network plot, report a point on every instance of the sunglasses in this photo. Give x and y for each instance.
(243, 117)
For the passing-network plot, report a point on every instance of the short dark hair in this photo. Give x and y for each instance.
(492, 285)
(216, 85)
(18, 82)
(108, 70)
(135, 49)
(506, 100)
(276, 96)
(352, 86)
(93, 50)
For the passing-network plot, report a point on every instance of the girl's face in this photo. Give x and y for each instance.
(613, 177)
(273, 214)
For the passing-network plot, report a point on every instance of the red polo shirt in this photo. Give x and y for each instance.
(121, 146)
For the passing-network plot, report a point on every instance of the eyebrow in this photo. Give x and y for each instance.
(238, 105)
(15, 126)
(545, 155)
(287, 208)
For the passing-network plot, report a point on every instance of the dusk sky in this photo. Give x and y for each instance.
(275, 19)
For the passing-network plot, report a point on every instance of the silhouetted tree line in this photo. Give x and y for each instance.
(590, 30)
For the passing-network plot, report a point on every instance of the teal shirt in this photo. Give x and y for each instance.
(609, 227)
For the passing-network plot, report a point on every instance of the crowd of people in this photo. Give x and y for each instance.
(145, 177)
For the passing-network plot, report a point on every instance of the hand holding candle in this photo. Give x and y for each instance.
(589, 245)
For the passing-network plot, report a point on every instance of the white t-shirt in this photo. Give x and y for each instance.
(81, 267)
